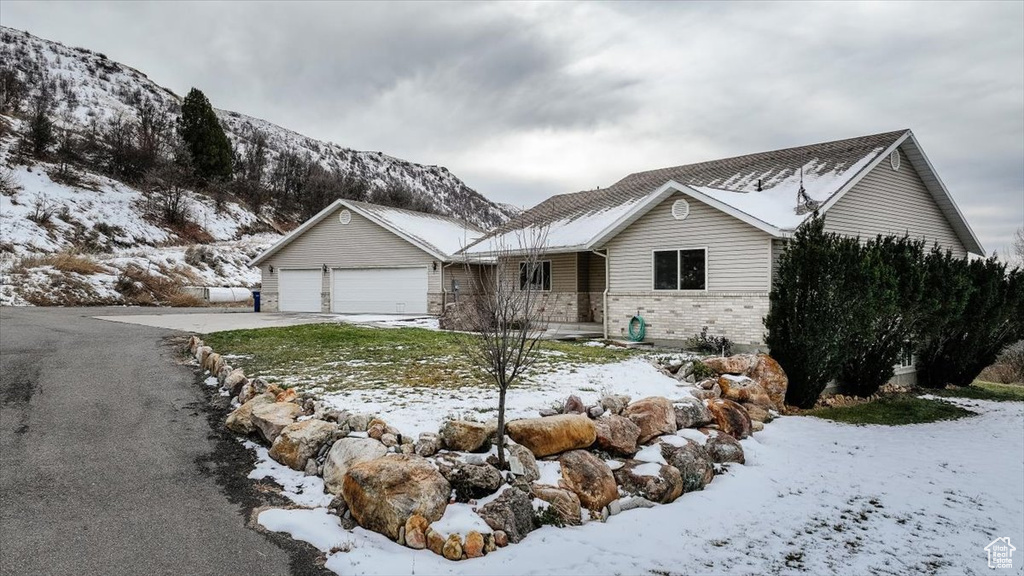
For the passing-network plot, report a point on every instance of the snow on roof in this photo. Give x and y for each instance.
(443, 234)
(763, 186)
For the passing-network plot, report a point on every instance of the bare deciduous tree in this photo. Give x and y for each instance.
(1018, 246)
(508, 318)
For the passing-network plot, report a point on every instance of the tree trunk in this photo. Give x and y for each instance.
(501, 428)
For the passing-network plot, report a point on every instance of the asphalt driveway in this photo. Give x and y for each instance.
(112, 460)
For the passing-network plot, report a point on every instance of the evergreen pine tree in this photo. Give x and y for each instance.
(207, 144)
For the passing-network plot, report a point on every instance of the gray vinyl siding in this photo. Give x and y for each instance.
(563, 270)
(888, 201)
(738, 254)
(358, 244)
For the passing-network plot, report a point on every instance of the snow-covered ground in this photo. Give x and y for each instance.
(815, 497)
(414, 410)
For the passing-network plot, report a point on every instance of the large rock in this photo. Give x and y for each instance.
(452, 549)
(210, 362)
(428, 444)
(730, 417)
(615, 403)
(270, 419)
(695, 465)
(474, 545)
(234, 381)
(589, 477)
(300, 441)
(383, 493)
(346, 453)
(722, 447)
(738, 364)
(511, 514)
(654, 415)
(691, 413)
(573, 405)
(617, 435)
(416, 532)
(521, 463)
(240, 420)
(466, 436)
(554, 434)
(744, 390)
(656, 482)
(757, 413)
(565, 502)
(201, 353)
(772, 378)
(471, 481)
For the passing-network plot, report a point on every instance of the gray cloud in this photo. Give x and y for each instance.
(527, 100)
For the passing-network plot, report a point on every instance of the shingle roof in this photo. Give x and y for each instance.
(576, 219)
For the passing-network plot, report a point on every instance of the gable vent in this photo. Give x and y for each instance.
(680, 209)
(345, 217)
(894, 159)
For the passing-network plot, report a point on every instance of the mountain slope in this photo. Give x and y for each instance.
(95, 89)
(76, 235)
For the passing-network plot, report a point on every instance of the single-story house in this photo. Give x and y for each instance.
(355, 257)
(697, 245)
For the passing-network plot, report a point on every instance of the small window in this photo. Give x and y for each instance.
(539, 278)
(906, 356)
(680, 269)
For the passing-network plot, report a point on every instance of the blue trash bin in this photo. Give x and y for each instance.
(256, 300)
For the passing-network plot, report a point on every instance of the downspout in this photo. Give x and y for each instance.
(604, 298)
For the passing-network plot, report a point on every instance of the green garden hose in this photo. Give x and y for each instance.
(637, 328)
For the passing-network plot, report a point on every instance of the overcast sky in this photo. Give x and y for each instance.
(523, 101)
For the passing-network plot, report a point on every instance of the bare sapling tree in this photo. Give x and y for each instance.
(508, 316)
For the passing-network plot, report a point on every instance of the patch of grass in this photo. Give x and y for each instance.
(893, 411)
(344, 356)
(65, 262)
(981, 390)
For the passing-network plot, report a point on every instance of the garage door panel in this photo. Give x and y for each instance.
(299, 290)
(380, 291)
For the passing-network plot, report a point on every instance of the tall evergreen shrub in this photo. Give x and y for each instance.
(208, 146)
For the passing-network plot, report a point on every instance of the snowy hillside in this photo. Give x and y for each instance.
(70, 233)
(94, 89)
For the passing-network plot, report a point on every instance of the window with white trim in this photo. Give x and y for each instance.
(680, 269)
(906, 356)
(536, 275)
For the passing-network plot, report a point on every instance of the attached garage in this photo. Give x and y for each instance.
(299, 290)
(379, 290)
(359, 258)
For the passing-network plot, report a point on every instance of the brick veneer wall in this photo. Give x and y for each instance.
(675, 317)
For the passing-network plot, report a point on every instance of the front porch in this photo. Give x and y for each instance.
(574, 289)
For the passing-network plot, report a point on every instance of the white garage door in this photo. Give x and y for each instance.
(380, 291)
(299, 290)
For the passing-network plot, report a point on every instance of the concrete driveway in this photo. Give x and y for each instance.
(113, 460)
(206, 320)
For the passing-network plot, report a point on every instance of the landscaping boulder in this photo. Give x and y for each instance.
(565, 502)
(201, 353)
(473, 547)
(452, 549)
(743, 389)
(466, 436)
(521, 463)
(554, 434)
(617, 435)
(722, 447)
(691, 413)
(376, 429)
(270, 419)
(416, 532)
(615, 403)
(589, 477)
(435, 541)
(757, 413)
(240, 420)
(654, 415)
(772, 378)
(210, 362)
(428, 444)
(661, 483)
(234, 381)
(730, 417)
(595, 411)
(574, 405)
(756, 426)
(300, 441)
(470, 481)
(222, 374)
(383, 493)
(359, 422)
(344, 454)
(695, 465)
(738, 364)
(510, 515)
(193, 343)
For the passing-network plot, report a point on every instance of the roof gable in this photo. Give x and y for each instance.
(439, 236)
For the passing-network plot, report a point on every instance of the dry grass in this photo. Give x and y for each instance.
(65, 262)
(138, 286)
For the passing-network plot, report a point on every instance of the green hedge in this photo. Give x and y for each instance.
(845, 310)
